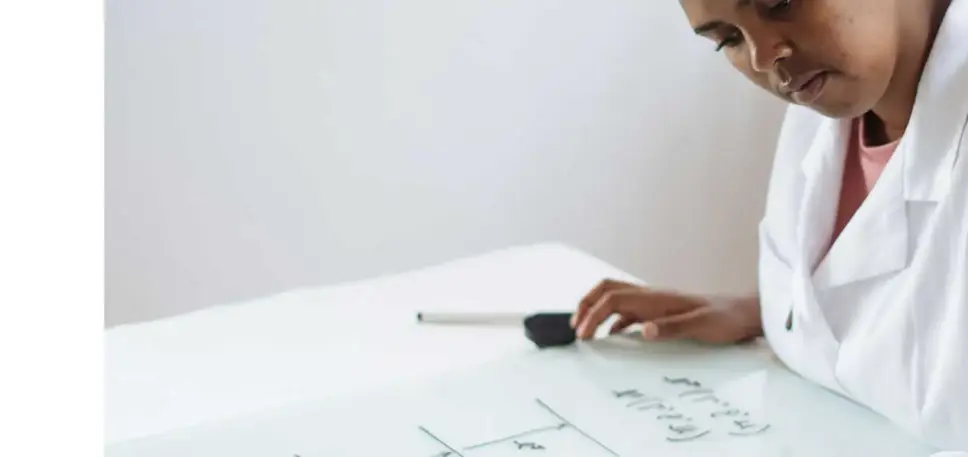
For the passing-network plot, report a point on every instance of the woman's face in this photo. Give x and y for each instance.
(835, 56)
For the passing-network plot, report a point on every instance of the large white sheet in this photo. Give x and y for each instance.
(326, 342)
(619, 397)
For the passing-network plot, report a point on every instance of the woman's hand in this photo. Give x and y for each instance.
(668, 315)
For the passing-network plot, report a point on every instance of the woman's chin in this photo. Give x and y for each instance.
(840, 102)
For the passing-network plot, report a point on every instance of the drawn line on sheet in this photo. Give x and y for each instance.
(516, 435)
(568, 423)
(442, 443)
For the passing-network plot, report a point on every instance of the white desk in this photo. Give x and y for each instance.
(314, 343)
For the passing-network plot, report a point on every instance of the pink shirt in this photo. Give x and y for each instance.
(864, 164)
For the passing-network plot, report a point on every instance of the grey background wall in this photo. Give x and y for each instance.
(259, 145)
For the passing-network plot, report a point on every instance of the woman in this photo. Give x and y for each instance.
(863, 288)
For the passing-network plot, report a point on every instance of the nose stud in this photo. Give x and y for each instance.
(783, 52)
(785, 77)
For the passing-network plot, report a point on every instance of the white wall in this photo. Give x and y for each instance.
(258, 145)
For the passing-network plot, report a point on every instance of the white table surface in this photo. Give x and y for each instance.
(315, 343)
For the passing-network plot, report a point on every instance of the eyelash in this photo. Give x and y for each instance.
(780, 7)
(777, 10)
(729, 41)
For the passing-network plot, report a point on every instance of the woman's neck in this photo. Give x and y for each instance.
(893, 111)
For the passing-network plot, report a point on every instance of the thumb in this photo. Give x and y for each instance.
(672, 327)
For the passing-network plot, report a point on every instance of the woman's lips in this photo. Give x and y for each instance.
(811, 90)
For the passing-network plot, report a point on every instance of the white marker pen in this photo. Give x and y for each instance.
(471, 318)
(544, 329)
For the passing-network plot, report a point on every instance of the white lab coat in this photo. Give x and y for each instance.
(881, 318)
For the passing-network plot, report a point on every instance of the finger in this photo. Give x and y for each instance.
(593, 296)
(621, 324)
(685, 325)
(589, 300)
(605, 307)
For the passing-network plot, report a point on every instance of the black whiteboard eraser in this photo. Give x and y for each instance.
(549, 329)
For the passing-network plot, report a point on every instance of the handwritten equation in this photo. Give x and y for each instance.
(691, 413)
(682, 409)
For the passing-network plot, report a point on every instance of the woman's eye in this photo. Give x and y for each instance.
(729, 41)
(778, 7)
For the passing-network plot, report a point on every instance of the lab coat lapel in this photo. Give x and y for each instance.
(822, 169)
(876, 241)
(941, 111)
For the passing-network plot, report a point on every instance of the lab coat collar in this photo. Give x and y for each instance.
(875, 242)
(931, 141)
(823, 168)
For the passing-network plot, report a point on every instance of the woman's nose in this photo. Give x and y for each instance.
(766, 50)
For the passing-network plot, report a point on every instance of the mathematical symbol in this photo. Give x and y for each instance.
(733, 412)
(747, 428)
(659, 406)
(686, 432)
(683, 429)
(711, 398)
(643, 401)
(686, 381)
(627, 393)
(744, 424)
(529, 446)
(695, 392)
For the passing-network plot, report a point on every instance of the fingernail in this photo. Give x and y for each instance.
(572, 321)
(650, 331)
